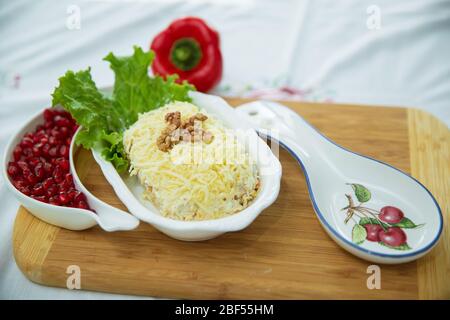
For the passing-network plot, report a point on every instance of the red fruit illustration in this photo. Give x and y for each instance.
(393, 236)
(391, 214)
(373, 231)
(386, 227)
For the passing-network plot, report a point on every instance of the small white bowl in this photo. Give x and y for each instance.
(108, 217)
(69, 218)
(129, 190)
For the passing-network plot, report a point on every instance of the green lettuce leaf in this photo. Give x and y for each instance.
(103, 118)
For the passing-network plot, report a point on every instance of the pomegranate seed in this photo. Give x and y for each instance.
(53, 141)
(13, 169)
(72, 193)
(69, 178)
(68, 141)
(53, 151)
(40, 130)
(65, 131)
(44, 199)
(54, 200)
(45, 150)
(79, 197)
(33, 162)
(27, 152)
(25, 190)
(38, 190)
(22, 165)
(48, 115)
(20, 184)
(82, 205)
(62, 113)
(65, 186)
(62, 122)
(58, 170)
(55, 133)
(63, 198)
(17, 153)
(48, 167)
(37, 150)
(64, 151)
(58, 174)
(52, 190)
(31, 178)
(39, 171)
(65, 165)
(48, 183)
(27, 142)
(40, 198)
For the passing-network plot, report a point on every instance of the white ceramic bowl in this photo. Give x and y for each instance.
(69, 218)
(108, 217)
(129, 190)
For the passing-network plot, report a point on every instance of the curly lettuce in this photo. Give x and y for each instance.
(104, 119)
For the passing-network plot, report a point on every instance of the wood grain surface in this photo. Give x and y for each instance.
(285, 253)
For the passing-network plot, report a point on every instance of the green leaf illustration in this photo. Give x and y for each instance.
(402, 247)
(366, 220)
(407, 224)
(362, 193)
(404, 223)
(359, 234)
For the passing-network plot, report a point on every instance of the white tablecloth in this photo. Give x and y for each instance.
(396, 53)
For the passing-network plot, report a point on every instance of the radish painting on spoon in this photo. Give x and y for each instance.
(386, 226)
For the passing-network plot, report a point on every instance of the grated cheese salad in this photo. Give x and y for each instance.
(190, 178)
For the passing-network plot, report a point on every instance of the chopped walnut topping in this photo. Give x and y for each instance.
(199, 117)
(177, 131)
(173, 118)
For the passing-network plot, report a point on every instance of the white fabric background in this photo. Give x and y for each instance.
(322, 47)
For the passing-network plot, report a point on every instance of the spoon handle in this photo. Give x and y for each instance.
(108, 217)
(306, 144)
(111, 218)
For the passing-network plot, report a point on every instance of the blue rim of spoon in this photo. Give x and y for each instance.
(325, 222)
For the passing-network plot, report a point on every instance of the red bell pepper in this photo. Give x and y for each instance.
(191, 49)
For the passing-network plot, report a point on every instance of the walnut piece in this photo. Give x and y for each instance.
(177, 131)
(173, 118)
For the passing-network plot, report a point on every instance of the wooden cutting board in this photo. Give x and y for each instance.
(285, 253)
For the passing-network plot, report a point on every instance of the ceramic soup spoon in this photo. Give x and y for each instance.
(369, 208)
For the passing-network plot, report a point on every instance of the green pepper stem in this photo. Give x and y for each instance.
(186, 54)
